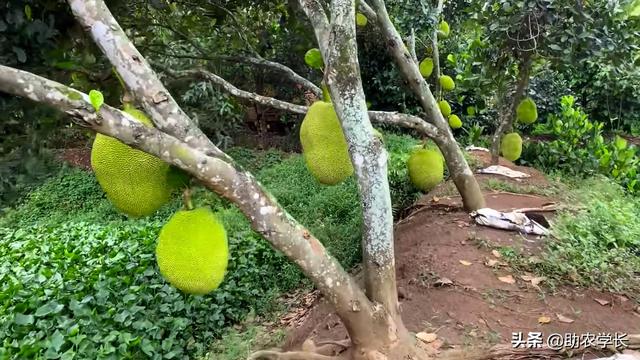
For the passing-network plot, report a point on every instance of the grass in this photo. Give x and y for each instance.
(595, 240)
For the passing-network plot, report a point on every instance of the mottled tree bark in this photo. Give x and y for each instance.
(507, 118)
(461, 174)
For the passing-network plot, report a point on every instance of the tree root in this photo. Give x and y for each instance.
(290, 355)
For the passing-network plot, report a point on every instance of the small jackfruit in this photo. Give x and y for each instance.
(455, 122)
(443, 29)
(511, 146)
(135, 182)
(447, 83)
(426, 168)
(471, 110)
(361, 19)
(527, 112)
(445, 108)
(324, 146)
(192, 251)
(313, 58)
(426, 67)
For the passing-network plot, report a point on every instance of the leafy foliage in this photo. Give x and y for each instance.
(597, 244)
(579, 148)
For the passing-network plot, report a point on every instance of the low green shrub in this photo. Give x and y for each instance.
(579, 148)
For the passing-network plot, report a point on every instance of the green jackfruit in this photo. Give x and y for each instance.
(471, 110)
(527, 112)
(324, 146)
(426, 168)
(426, 67)
(455, 122)
(135, 182)
(443, 29)
(511, 146)
(445, 108)
(313, 58)
(361, 19)
(447, 83)
(192, 251)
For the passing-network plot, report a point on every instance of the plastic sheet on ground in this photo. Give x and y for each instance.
(504, 171)
(514, 221)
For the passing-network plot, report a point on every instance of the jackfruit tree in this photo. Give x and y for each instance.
(370, 312)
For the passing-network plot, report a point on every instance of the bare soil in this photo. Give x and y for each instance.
(447, 286)
(77, 157)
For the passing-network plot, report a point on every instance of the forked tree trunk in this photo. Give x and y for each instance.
(507, 118)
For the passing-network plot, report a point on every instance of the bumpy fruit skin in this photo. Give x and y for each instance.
(447, 83)
(443, 29)
(324, 146)
(527, 112)
(426, 67)
(361, 19)
(455, 122)
(192, 251)
(134, 181)
(445, 108)
(511, 146)
(426, 169)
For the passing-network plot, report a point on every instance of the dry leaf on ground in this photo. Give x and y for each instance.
(507, 279)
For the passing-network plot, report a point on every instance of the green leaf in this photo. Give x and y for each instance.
(57, 339)
(97, 99)
(49, 308)
(22, 319)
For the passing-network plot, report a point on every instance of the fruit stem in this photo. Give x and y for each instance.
(186, 199)
(326, 96)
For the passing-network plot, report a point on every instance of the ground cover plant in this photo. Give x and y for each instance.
(175, 237)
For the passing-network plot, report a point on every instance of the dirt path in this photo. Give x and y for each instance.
(449, 282)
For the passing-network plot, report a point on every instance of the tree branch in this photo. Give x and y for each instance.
(383, 117)
(141, 81)
(224, 178)
(412, 45)
(258, 61)
(228, 87)
(508, 117)
(319, 21)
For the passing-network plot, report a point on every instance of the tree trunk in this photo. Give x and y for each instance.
(460, 172)
(507, 118)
